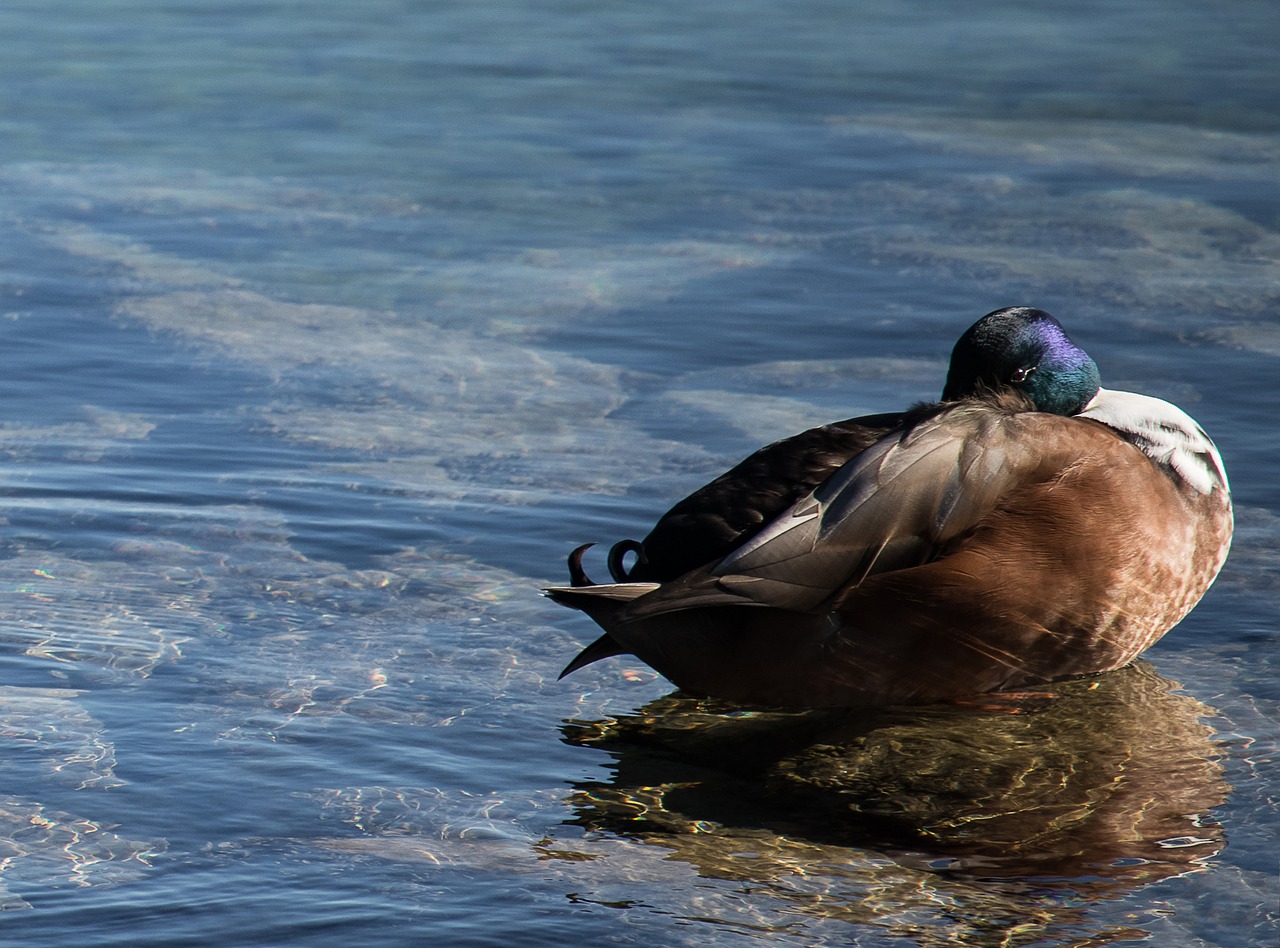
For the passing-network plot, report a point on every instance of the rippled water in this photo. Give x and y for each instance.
(331, 328)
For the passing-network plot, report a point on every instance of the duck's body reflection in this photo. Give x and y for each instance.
(1105, 785)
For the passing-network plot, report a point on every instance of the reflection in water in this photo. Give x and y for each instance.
(1092, 789)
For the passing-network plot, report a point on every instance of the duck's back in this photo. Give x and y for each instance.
(714, 520)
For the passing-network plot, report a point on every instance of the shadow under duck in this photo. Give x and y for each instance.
(1029, 527)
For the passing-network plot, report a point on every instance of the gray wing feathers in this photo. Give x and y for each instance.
(619, 592)
(894, 506)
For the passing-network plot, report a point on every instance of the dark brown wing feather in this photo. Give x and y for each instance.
(900, 503)
(709, 523)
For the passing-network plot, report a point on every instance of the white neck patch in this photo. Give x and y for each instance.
(1164, 432)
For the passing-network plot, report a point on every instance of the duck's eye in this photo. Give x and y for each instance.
(1021, 375)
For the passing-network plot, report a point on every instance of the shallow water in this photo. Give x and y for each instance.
(332, 328)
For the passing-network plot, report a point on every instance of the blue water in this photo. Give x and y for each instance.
(330, 329)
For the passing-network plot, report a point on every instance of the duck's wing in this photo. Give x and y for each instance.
(897, 504)
(711, 522)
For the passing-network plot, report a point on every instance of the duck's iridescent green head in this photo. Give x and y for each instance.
(1027, 350)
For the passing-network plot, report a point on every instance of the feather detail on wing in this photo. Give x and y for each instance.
(898, 504)
(618, 592)
(709, 523)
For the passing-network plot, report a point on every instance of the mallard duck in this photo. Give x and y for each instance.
(1028, 527)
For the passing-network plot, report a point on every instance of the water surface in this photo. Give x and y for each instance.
(332, 328)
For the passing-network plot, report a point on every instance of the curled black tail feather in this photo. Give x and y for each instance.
(617, 569)
(577, 575)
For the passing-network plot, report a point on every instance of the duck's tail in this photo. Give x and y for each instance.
(604, 647)
(601, 603)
